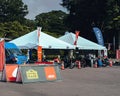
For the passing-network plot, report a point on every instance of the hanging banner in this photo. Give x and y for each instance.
(98, 35)
(76, 37)
(39, 49)
(38, 34)
(2, 54)
(39, 52)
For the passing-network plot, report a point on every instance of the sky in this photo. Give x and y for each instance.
(35, 7)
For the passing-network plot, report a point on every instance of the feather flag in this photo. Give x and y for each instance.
(39, 49)
(76, 37)
(98, 35)
(38, 34)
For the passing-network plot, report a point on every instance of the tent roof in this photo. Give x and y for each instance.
(82, 43)
(30, 40)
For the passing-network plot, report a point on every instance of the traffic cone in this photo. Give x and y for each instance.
(95, 65)
(111, 63)
(62, 66)
(79, 64)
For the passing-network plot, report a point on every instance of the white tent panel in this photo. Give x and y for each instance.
(30, 40)
(82, 43)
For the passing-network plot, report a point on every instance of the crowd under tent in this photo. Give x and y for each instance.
(86, 46)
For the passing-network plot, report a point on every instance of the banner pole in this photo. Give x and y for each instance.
(39, 48)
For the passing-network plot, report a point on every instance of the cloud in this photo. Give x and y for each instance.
(36, 7)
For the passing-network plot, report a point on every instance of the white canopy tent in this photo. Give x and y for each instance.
(82, 43)
(30, 40)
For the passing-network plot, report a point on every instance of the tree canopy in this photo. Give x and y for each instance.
(52, 21)
(12, 19)
(12, 29)
(12, 10)
(83, 15)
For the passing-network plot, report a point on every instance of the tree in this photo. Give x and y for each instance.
(113, 18)
(31, 24)
(82, 14)
(52, 21)
(12, 30)
(112, 23)
(12, 10)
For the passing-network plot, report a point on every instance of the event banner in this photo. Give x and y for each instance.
(98, 35)
(2, 54)
(30, 73)
(38, 73)
(9, 73)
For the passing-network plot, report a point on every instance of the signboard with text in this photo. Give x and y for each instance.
(39, 73)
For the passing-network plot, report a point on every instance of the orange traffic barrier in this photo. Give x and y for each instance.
(95, 65)
(79, 64)
(9, 73)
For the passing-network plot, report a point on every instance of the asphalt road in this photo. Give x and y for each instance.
(75, 82)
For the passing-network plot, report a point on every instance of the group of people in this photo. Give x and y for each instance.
(86, 61)
(103, 61)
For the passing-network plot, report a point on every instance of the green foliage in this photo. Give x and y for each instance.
(31, 24)
(12, 10)
(12, 29)
(12, 19)
(113, 18)
(53, 34)
(52, 21)
(83, 13)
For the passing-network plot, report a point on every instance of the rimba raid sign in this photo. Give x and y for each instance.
(32, 74)
(38, 73)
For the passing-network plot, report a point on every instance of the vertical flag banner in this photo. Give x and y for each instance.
(76, 37)
(2, 54)
(98, 35)
(38, 34)
(39, 51)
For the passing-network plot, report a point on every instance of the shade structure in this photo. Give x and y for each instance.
(30, 41)
(82, 43)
